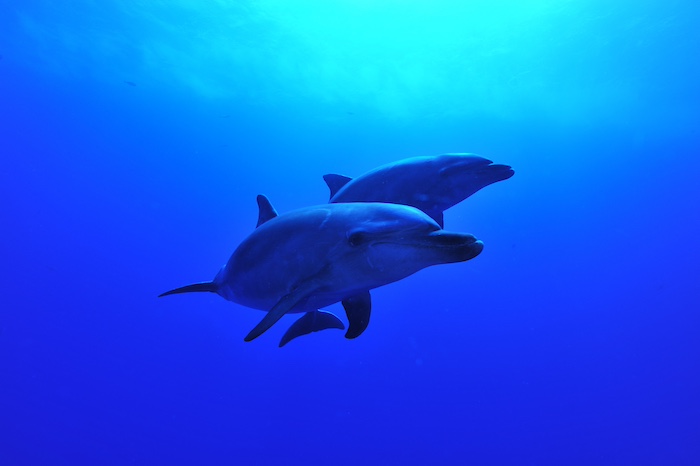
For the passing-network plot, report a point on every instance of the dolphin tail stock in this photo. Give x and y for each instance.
(211, 287)
(313, 321)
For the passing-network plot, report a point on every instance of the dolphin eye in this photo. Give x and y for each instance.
(357, 238)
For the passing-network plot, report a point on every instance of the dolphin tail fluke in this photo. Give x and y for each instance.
(195, 287)
(314, 321)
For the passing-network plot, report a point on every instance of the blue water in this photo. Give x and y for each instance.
(135, 136)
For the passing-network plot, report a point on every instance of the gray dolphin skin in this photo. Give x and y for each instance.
(432, 184)
(313, 257)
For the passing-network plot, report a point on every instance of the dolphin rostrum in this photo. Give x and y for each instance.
(432, 184)
(313, 257)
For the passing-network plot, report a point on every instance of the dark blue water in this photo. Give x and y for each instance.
(135, 136)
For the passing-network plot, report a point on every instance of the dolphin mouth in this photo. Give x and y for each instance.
(495, 171)
(442, 238)
(460, 246)
(483, 170)
(498, 171)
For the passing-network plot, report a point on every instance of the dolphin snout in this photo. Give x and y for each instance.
(446, 238)
(462, 246)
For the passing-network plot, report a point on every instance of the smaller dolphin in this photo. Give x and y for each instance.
(313, 257)
(432, 184)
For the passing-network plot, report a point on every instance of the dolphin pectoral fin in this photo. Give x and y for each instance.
(357, 308)
(336, 182)
(438, 216)
(284, 305)
(311, 322)
(195, 287)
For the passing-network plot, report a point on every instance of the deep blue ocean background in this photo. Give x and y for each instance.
(135, 135)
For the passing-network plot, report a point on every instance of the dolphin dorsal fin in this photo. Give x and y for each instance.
(438, 216)
(195, 287)
(336, 182)
(265, 210)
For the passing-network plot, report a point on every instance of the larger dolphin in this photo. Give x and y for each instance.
(432, 184)
(313, 257)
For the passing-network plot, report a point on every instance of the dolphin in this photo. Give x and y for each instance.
(432, 184)
(313, 257)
